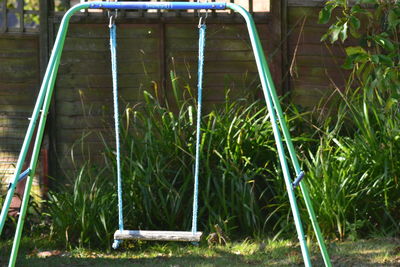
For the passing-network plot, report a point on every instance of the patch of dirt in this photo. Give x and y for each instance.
(49, 253)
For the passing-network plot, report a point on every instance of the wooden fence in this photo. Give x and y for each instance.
(313, 66)
(150, 45)
(148, 50)
(19, 80)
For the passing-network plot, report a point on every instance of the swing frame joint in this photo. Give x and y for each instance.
(298, 179)
(21, 177)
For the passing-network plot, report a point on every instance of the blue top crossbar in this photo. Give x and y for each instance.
(157, 5)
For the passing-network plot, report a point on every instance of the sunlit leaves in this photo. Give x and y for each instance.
(326, 13)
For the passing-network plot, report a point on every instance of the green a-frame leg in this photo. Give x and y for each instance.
(278, 122)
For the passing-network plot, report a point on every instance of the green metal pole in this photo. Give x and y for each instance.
(265, 77)
(272, 92)
(297, 168)
(22, 155)
(48, 86)
(32, 167)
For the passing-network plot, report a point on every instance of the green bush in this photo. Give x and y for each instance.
(84, 213)
(239, 180)
(351, 172)
(353, 175)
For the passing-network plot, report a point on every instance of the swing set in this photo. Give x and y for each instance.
(41, 108)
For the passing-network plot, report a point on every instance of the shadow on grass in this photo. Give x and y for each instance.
(375, 252)
(224, 260)
(241, 254)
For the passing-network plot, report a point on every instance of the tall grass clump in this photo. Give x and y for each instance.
(237, 159)
(83, 211)
(354, 178)
(240, 181)
(354, 173)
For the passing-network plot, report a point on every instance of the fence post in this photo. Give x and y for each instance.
(284, 47)
(274, 44)
(43, 35)
(44, 50)
(3, 15)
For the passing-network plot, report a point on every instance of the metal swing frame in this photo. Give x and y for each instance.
(39, 116)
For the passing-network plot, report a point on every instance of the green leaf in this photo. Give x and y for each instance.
(366, 72)
(357, 9)
(375, 59)
(343, 32)
(325, 14)
(361, 68)
(361, 58)
(393, 19)
(384, 42)
(348, 63)
(354, 32)
(355, 22)
(324, 37)
(352, 50)
(384, 59)
(390, 103)
(335, 31)
(354, 26)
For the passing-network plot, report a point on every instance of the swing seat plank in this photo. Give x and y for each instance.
(158, 235)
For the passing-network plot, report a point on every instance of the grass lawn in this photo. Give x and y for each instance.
(372, 252)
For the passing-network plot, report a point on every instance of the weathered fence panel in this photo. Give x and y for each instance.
(19, 80)
(314, 66)
(147, 53)
(150, 45)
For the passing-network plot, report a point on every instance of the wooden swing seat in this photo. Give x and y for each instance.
(185, 236)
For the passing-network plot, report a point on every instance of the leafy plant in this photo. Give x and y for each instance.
(240, 182)
(353, 175)
(375, 62)
(237, 149)
(83, 213)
